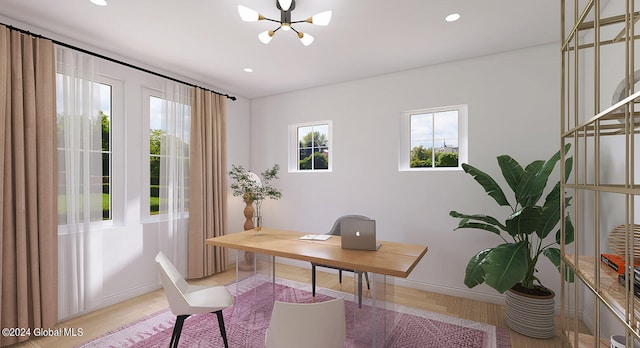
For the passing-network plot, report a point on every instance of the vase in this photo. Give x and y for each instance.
(530, 315)
(249, 257)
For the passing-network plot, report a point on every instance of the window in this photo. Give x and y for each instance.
(310, 147)
(107, 152)
(85, 150)
(433, 138)
(169, 123)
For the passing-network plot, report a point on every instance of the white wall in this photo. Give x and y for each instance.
(514, 108)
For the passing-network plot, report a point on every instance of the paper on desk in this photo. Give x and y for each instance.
(315, 237)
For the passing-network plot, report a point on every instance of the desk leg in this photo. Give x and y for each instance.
(374, 316)
(237, 270)
(273, 278)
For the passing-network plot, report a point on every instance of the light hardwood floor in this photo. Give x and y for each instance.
(110, 318)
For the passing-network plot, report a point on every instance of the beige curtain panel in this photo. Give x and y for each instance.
(28, 199)
(208, 183)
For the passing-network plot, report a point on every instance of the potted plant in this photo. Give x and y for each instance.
(511, 265)
(254, 190)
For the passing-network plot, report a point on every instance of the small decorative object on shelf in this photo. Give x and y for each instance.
(618, 237)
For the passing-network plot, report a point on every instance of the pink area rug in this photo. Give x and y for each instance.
(247, 321)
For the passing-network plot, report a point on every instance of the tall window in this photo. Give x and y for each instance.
(169, 126)
(433, 138)
(107, 151)
(310, 147)
(85, 150)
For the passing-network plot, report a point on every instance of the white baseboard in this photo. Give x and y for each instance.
(130, 293)
(117, 298)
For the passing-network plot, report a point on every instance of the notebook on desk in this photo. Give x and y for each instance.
(358, 234)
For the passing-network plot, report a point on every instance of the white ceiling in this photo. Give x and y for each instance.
(206, 42)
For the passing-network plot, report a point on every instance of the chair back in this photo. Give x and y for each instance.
(309, 325)
(174, 285)
(335, 230)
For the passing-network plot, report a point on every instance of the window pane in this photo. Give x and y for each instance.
(310, 151)
(421, 141)
(156, 133)
(169, 124)
(446, 138)
(105, 119)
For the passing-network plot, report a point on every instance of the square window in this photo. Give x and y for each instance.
(433, 138)
(310, 147)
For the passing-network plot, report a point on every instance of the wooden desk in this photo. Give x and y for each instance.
(393, 259)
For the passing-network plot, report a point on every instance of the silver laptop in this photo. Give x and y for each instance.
(358, 234)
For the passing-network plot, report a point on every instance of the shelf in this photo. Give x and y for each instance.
(610, 289)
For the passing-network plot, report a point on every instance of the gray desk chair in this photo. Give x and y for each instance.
(186, 299)
(335, 231)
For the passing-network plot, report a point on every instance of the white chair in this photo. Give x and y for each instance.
(309, 325)
(185, 299)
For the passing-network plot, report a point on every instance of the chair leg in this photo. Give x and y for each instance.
(177, 330)
(313, 280)
(360, 289)
(366, 277)
(223, 331)
(340, 276)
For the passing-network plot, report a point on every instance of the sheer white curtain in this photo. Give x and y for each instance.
(79, 181)
(175, 120)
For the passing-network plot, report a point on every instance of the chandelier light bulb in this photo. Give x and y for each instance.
(248, 15)
(322, 18)
(306, 39)
(285, 4)
(285, 26)
(266, 36)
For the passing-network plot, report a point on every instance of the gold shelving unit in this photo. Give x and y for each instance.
(600, 118)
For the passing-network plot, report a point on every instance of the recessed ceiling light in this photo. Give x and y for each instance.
(99, 2)
(248, 70)
(452, 17)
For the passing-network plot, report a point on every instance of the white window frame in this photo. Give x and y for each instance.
(404, 151)
(293, 147)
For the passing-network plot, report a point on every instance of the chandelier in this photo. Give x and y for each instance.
(285, 23)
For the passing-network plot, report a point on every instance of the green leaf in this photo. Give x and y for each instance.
(511, 171)
(525, 220)
(536, 186)
(551, 213)
(568, 165)
(553, 254)
(490, 186)
(491, 224)
(474, 274)
(506, 265)
(529, 189)
(568, 232)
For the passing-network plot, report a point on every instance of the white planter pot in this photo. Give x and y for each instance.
(530, 315)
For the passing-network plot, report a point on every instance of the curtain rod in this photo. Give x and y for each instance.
(114, 60)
